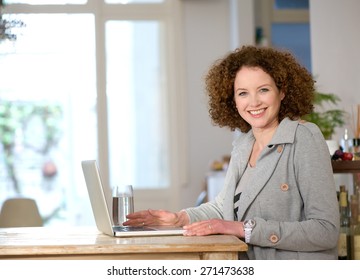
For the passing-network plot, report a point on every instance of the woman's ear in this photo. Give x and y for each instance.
(282, 95)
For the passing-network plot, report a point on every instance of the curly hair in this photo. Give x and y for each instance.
(289, 76)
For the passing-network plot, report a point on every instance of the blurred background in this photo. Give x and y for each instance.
(122, 82)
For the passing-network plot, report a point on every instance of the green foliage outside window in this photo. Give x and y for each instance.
(14, 117)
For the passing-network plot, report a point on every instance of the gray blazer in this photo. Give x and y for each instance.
(293, 199)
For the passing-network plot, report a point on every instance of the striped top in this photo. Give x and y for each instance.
(242, 184)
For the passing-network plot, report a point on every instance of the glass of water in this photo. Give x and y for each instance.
(123, 203)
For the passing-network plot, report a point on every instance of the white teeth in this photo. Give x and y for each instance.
(256, 112)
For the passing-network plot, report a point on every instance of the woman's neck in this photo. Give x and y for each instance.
(263, 136)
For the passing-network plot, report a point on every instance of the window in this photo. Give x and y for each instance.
(132, 1)
(83, 82)
(138, 139)
(285, 24)
(48, 111)
(291, 4)
(294, 37)
(45, 2)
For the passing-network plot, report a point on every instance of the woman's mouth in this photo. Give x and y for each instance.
(256, 112)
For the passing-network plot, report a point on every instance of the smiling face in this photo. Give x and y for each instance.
(257, 98)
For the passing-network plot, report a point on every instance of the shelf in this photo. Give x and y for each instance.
(346, 166)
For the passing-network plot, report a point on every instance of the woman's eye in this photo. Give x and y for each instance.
(264, 90)
(241, 93)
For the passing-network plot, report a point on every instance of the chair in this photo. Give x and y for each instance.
(201, 198)
(20, 212)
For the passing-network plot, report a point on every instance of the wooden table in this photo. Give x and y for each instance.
(88, 243)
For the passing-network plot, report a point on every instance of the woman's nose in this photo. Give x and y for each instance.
(254, 100)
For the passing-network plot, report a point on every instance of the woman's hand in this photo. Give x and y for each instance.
(215, 226)
(157, 217)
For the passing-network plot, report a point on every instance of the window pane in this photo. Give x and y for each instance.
(45, 2)
(133, 1)
(291, 4)
(48, 114)
(296, 38)
(138, 137)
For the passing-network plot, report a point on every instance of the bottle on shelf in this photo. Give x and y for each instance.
(344, 142)
(356, 183)
(356, 241)
(355, 228)
(355, 149)
(344, 245)
(354, 210)
(346, 195)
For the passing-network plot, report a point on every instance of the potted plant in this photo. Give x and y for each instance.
(326, 120)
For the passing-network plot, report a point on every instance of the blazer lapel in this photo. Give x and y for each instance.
(265, 168)
(267, 163)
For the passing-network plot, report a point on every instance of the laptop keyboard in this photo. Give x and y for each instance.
(128, 229)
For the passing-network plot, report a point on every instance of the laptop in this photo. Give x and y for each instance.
(99, 205)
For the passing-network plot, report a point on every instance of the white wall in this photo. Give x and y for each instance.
(209, 35)
(335, 45)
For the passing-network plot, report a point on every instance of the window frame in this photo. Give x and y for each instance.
(267, 15)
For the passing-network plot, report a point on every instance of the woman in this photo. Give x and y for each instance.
(279, 192)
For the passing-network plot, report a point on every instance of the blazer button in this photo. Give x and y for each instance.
(279, 149)
(274, 238)
(284, 187)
